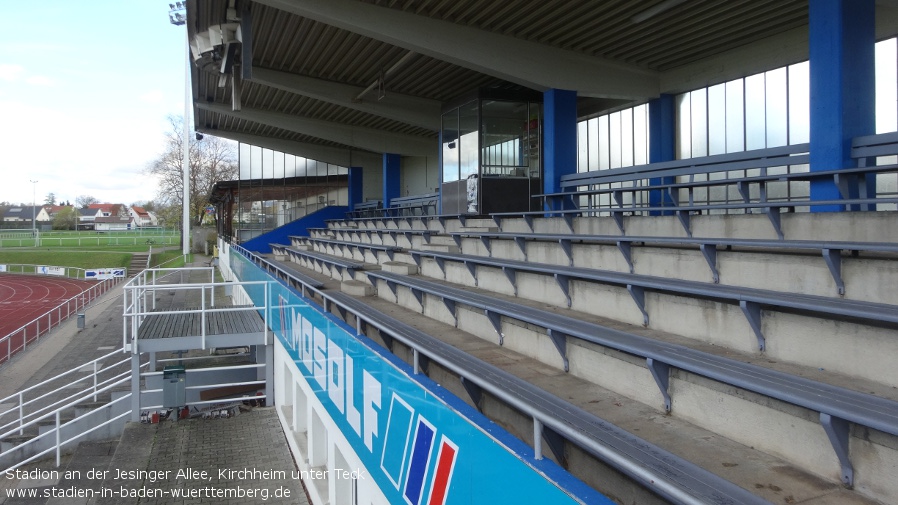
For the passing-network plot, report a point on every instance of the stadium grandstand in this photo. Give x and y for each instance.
(553, 251)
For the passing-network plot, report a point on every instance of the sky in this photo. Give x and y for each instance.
(85, 92)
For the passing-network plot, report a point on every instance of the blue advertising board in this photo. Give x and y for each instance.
(421, 447)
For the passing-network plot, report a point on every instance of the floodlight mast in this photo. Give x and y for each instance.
(178, 16)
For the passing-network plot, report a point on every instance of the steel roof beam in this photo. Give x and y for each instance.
(530, 64)
(414, 111)
(324, 154)
(370, 139)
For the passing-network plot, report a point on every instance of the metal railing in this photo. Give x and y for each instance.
(30, 332)
(140, 300)
(62, 395)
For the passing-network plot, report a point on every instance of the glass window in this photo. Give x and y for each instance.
(505, 125)
(735, 116)
(799, 103)
(450, 146)
(468, 148)
(717, 124)
(755, 113)
(777, 107)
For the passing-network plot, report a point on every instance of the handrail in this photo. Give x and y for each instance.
(540, 417)
(92, 294)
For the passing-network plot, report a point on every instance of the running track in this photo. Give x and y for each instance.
(26, 297)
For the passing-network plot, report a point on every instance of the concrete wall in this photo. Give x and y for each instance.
(420, 175)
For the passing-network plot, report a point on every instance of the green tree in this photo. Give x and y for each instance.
(212, 159)
(84, 201)
(65, 219)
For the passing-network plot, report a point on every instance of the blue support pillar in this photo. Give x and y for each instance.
(392, 186)
(842, 74)
(356, 190)
(662, 142)
(559, 142)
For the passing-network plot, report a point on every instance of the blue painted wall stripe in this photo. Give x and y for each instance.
(417, 469)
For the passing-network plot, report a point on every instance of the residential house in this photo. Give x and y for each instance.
(26, 213)
(86, 217)
(143, 217)
(110, 209)
(114, 223)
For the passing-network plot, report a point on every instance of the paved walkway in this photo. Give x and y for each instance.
(154, 454)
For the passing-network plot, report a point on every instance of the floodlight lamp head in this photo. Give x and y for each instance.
(199, 136)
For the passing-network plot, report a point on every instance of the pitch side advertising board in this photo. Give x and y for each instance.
(422, 445)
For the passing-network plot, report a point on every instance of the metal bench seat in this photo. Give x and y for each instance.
(750, 300)
(830, 250)
(342, 265)
(837, 406)
(343, 246)
(393, 232)
(665, 473)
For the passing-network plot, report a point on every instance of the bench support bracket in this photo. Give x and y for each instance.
(567, 248)
(638, 295)
(626, 250)
(486, 243)
(420, 361)
(419, 295)
(472, 268)
(833, 259)
(450, 306)
(752, 311)
(709, 251)
(837, 429)
(565, 285)
(618, 217)
(560, 341)
(556, 444)
(474, 391)
(496, 321)
(510, 274)
(661, 374)
(683, 216)
(773, 213)
(522, 245)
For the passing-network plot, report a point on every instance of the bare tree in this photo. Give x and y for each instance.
(212, 159)
(84, 201)
(50, 199)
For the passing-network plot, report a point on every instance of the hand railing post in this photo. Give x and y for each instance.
(21, 412)
(58, 438)
(203, 314)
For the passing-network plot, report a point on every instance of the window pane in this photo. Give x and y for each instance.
(640, 135)
(717, 134)
(755, 120)
(468, 152)
(699, 123)
(604, 148)
(735, 116)
(684, 126)
(626, 128)
(799, 103)
(776, 107)
(450, 146)
(614, 139)
(887, 86)
(594, 153)
(582, 147)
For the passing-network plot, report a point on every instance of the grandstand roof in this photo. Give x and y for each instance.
(333, 79)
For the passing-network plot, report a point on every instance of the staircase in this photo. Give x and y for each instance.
(138, 263)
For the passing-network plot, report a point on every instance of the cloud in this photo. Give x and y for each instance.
(154, 96)
(39, 80)
(11, 72)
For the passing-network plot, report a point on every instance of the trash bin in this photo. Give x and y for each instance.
(174, 386)
(81, 321)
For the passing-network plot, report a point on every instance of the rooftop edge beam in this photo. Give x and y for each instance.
(362, 138)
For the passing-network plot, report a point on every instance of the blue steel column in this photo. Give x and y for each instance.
(662, 142)
(356, 188)
(392, 186)
(842, 73)
(559, 142)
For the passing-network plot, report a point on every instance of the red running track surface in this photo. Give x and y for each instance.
(26, 297)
